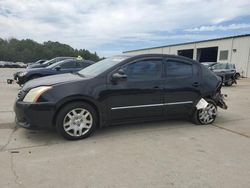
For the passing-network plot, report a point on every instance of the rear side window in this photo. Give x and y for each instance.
(144, 70)
(68, 65)
(83, 64)
(175, 68)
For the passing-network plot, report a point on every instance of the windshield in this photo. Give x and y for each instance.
(102, 66)
(49, 62)
(55, 64)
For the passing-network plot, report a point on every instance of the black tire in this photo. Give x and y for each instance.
(60, 120)
(195, 116)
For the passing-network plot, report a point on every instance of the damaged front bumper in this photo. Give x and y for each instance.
(220, 100)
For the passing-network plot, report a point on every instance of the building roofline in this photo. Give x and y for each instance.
(185, 43)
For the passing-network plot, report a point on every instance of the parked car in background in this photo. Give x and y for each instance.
(65, 66)
(49, 62)
(27, 65)
(40, 61)
(226, 71)
(7, 64)
(2, 64)
(21, 65)
(229, 66)
(232, 67)
(208, 64)
(121, 89)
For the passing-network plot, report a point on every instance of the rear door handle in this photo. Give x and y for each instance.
(156, 87)
(196, 84)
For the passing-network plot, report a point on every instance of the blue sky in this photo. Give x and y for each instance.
(110, 27)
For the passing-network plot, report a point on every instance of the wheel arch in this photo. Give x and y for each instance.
(208, 96)
(72, 99)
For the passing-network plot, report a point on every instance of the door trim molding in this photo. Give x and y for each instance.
(151, 105)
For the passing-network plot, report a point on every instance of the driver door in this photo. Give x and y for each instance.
(139, 92)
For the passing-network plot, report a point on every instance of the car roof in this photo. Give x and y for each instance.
(69, 60)
(157, 55)
(64, 57)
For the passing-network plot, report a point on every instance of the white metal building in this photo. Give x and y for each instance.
(235, 49)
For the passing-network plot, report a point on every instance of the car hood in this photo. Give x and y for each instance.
(33, 70)
(52, 80)
(37, 69)
(36, 65)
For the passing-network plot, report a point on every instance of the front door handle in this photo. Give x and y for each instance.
(196, 84)
(156, 87)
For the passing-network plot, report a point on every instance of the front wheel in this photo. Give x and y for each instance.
(76, 121)
(207, 115)
(229, 82)
(237, 76)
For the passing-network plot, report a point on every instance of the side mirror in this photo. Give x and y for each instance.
(119, 75)
(57, 68)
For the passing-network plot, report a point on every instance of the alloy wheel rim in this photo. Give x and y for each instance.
(77, 122)
(208, 114)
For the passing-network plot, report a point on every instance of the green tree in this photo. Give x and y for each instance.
(27, 50)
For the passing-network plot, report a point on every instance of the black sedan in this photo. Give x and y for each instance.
(121, 89)
(42, 63)
(65, 66)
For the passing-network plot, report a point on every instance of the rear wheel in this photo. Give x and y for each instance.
(207, 115)
(76, 120)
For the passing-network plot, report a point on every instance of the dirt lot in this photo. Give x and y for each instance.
(163, 154)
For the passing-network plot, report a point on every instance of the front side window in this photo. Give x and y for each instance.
(143, 70)
(178, 69)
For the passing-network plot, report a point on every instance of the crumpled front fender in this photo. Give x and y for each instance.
(220, 100)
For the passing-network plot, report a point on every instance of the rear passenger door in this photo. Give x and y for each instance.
(182, 87)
